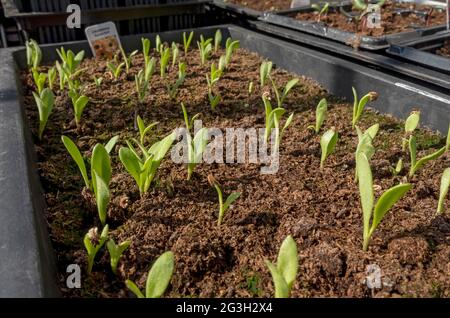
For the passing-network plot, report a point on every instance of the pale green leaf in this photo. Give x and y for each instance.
(287, 261)
(160, 275)
(445, 184)
(281, 287)
(77, 157)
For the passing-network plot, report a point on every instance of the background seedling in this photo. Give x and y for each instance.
(71, 62)
(158, 278)
(175, 53)
(93, 243)
(223, 207)
(79, 103)
(359, 105)
(384, 204)
(159, 45)
(173, 89)
(128, 59)
(417, 164)
(39, 80)
(98, 81)
(115, 67)
(146, 45)
(217, 40)
(115, 252)
(273, 118)
(143, 129)
(284, 272)
(410, 125)
(321, 10)
(321, 115)
(187, 41)
(45, 102)
(51, 76)
(205, 48)
(34, 54)
(264, 72)
(328, 144)
(445, 184)
(230, 47)
(164, 62)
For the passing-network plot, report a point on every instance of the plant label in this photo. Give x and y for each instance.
(374, 16)
(103, 40)
(300, 3)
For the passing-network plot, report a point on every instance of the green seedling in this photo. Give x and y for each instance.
(365, 143)
(187, 41)
(250, 87)
(328, 144)
(398, 167)
(383, 205)
(159, 45)
(128, 59)
(164, 62)
(100, 172)
(222, 63)
(195, 146)
(223, 207)
(146, 45)
(115, 67)
(217, 40)
(412, 122)
(273, 118)
(39, 80)
(150, 69)
(321, 10)
(158, 278)
(173, 89)
(445, 184)
(143, 129)
(141, 86)
(98, 81)
(230, 47)
(417, 164)
(205, 48)
(175, 53)
(321, 115)
(264, 72)
(359, 105)
(45, 102)
(143, 167)
(115, 252)
(289, 86)
(284, 272)
(71, 62)
(51, 76)
(93, 243)
(34, 54)
(447, 143)
(214, 100)
(79, 103)
(214, 77)
(62, 76)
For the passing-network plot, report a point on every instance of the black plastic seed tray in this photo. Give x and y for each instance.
(424, 51)
(45, 20)
(287, 19)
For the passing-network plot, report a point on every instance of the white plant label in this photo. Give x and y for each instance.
(300, 3)
(374, 16)
(103, 39)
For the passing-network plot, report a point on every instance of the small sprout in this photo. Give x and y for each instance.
(115, 252)
(264, 72)
(273, 118)
(217, 40)
(187, 41)
(359, 105)
(223, 207)
(149, 69)
(222, 63)
(214, 100)
(205, 48)
(39, 80)
(45, 102)
(284, 272)
(158, 278)
(197, 145)
(322, 10)
(143, 168)
(159, 45)
(328, 143)
(215, 75)
(146, 44)
(384, 204)
(175, 53)
(127, 59)
(417, 164)
(143, 129)
(62, 76)
(79, 103)
(250, 88)
(398, 168)
(289, 86)
(115, 67)
(71, 62)
(51, 76)
(141, 86)
(365, 143)
(410, 125)
(93, 243)
(173, 89)
(34, 54)
(98, 81)
(230, 47)
(321, 115)
(164, 62)
(100, 172)
(445, 184)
